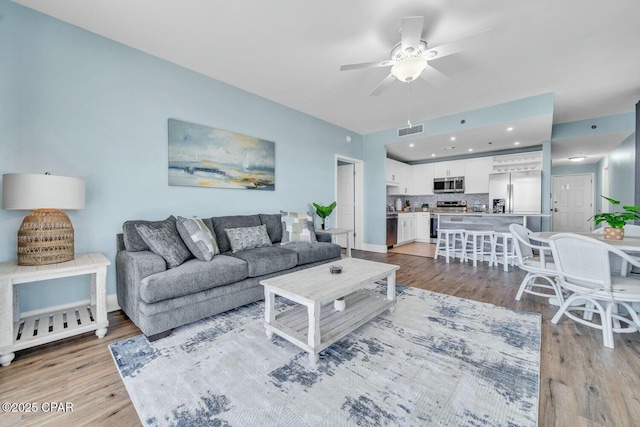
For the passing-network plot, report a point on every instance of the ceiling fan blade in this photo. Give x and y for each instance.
(434, 76)
(383, 85)
(386, 63)
(411, 32)
(458, 45)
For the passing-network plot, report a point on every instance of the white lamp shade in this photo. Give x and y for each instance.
(409, 68)
(25, 191)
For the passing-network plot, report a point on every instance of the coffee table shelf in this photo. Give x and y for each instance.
(361, 307)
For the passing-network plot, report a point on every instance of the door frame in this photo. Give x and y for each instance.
(358, 196)
(593, 192)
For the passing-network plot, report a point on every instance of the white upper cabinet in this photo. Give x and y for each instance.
(401, 174)
(448, 169)
(423, 179)
(393, 168)
(476, 175)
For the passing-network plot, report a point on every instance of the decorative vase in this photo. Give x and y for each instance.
(611, 233)
(339, 304)
(323, 225)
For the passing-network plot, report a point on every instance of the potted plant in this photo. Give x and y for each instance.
(339, 304)
(616, 220)
(324, 211)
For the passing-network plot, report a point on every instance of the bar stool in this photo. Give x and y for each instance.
(482, 243)
(503, 246)
(447, 240)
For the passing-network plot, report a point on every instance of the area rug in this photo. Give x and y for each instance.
(436, 360)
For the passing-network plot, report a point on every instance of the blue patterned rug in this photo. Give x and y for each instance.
(437, 360)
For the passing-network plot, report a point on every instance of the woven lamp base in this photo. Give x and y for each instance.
(45, 237)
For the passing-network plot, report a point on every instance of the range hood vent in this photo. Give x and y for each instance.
(409, 131)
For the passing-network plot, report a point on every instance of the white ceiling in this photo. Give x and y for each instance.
(587, 52)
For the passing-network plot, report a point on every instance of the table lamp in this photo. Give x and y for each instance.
(46, 235)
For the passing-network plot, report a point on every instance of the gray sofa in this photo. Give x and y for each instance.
(157, 298)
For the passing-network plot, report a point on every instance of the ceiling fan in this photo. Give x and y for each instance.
(409, 58)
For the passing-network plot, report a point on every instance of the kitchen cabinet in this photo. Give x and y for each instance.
(401, 174)
(422, 179)
(476, 175)
(406, 228)
(448, 169)
(423, 227)
(393, 168)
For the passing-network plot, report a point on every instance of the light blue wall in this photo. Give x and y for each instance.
(73, 103)
(622, 173)
(374, 151)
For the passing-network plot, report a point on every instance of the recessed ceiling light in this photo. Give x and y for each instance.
(509, 129)
(433, 154)
(453, 138)
(412, 145)
(470, 149)
(577, 158)
(516, 143)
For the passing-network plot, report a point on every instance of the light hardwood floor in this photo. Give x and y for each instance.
(581, 382)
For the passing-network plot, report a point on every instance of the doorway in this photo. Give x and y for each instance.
(572, 201)
(349, 199)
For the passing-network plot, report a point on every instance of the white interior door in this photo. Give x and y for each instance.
(572, 203)
(346, 200)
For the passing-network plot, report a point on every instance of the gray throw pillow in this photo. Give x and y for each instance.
(163, 239)
(297, 227)
(198, 238)
(245, 238)
(133, 242)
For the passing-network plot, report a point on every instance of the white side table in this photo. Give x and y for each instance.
(333, 232)
(17, 334)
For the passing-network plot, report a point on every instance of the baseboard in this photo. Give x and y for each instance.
(374, 248)
(112, 305)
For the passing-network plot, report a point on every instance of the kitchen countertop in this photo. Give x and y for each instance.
(495, 215)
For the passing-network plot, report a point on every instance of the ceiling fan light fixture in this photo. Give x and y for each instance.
(577, 158)
(409, 68)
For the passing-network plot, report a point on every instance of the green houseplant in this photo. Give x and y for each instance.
(616, 220)
(324, 211)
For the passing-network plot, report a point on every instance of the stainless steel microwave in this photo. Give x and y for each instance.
(453, 184)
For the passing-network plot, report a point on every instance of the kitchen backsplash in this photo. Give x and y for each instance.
(417, 201)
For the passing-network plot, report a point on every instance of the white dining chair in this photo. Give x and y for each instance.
(537, 267)
(584, 270)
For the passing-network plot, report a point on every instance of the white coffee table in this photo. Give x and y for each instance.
(315, 324)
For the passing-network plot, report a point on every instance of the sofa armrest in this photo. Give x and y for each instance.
(131, 268)
(323, 237)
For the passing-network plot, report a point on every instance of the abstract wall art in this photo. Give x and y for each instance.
(200, 156)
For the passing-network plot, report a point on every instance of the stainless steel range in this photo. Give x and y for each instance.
(452, 206)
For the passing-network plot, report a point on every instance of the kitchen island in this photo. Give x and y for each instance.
(487, 221)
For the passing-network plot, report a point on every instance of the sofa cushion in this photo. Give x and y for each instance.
(220, 223)
(309, 252)
(297, 227)
(163, 239)
(133, 242)
(261, 261)
(244, 238)
(191, 277)
(198, 238)
(274, 226)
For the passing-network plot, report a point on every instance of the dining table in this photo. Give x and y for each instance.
(629, 244)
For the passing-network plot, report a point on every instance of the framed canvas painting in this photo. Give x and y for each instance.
(200, 156)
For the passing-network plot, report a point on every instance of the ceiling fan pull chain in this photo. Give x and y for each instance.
(409, 106)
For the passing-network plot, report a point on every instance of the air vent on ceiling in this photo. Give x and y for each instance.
(409, 131)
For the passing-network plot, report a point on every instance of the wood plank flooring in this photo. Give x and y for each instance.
(581, 384)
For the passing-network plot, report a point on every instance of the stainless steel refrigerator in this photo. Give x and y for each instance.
(516, 192)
